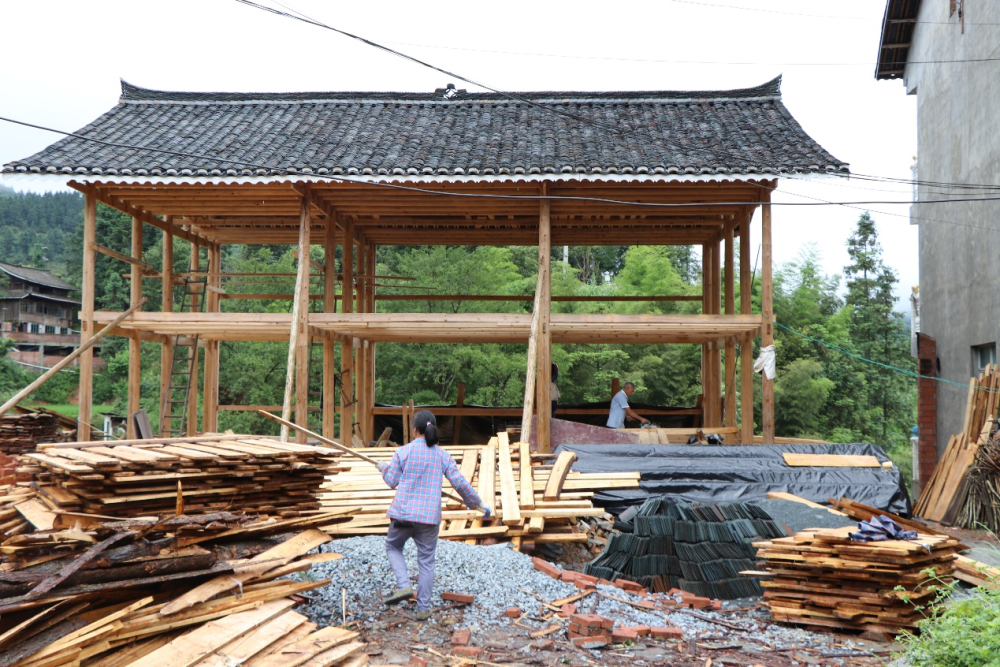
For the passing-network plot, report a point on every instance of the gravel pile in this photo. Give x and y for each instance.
(798, 517)
(500, 577)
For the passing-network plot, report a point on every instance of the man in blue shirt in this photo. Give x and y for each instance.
(620, 408)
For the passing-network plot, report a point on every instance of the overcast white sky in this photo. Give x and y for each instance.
(63, 60)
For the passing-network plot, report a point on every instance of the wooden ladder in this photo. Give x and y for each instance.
(183, 362)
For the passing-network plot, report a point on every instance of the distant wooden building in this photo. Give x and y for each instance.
(447, 167)
(37, 313)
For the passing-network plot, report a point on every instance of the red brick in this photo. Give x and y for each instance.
(417, 661)
(622, 635)
(639, 630)
(716, 604)
(543, 645)
(546, 567)
(586, 577)
(668, 632)
(584, 585)
(513, 612)
(646, 604)
(467, 651)
(570, 635)
(623, 583)
(458, 597)
(461, 637)
(607, 623)
(567, 575)
(587, 620)
(590, 642)
(699, 603)
(567, 610)
(605, 582)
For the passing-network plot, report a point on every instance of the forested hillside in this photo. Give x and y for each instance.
(827, 325)
(35, 229)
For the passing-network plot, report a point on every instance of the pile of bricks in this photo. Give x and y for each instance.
(589, 631)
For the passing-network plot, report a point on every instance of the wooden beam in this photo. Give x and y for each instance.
(119, 204)
(86, 393)
(300, 306)
(460, 404)
(531, 375)
(525, 297)
(166, 306)
(329, 354)
(192, 406)
(146, 268)
(730, 405)
(767, 308)
(347, 348)
(544, 407)
(746, 342)
(134, 344)
(210, 394)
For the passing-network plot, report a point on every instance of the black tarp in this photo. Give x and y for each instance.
(739, 473)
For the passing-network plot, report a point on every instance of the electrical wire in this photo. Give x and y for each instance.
(820, 16)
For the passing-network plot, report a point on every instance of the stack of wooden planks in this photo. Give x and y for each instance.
(943, 495)
(22, 433)
(822, 578)
(533, 502)
(205, 590)
(189, 475)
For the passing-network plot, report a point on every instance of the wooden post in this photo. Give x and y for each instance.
(459, 403)
(192, 406)
(616, 386)
(167, 306)
(347, 348)
(730, 410)
(767, 310)
(544, 407)
(329, 306)
(531, 376)
(134, 344)
(86, 399)
(361, 360)
(746, 344)
(210, 393)
(372, 307)
(297, 368)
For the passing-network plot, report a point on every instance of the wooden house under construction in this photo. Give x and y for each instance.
(449, 167)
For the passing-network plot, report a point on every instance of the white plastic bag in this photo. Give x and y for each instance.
(765, 362)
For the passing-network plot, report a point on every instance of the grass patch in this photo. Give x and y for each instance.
(71, 410)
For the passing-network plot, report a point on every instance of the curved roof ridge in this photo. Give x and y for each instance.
(133, 93)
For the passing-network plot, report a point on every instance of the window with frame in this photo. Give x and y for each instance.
(983, 356)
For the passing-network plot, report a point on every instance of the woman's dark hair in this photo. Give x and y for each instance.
(555, 373)
(426, 425)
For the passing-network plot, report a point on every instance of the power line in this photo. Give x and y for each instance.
(819, 16)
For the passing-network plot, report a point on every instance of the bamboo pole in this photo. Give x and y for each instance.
(301, 285)
(49, 374)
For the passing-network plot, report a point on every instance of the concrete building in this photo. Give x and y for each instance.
(37, 313)
(944, 51)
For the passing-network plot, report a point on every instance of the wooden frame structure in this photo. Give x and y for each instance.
(480, 199)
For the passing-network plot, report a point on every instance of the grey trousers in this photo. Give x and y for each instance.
(425, 536)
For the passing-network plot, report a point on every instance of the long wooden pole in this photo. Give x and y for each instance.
(529, 378)
(192, 406)
(134, 344)
(166, 306)
(63, 363)
(301, 284)
(210, 400)
(336, 445)
(544, 408)
(730, 405)
(86, 393)
(746, 343)
(767, 309)
(347, 348)
(329, 306)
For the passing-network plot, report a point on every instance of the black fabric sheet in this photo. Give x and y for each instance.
(739, 473)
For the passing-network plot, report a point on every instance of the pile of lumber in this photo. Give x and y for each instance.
(178, 590)
(944, 495)
(533, 502)
(822, 578)
(981, 504)
(180, 475)
(21, 433)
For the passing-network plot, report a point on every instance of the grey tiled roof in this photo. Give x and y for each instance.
(39, 276)
(445, 133)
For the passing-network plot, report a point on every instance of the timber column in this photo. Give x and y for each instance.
(347, 347)
(167, 306)
(544, 384)
(767, 309)
(361, 360)
(86, 399)
(297, 368)
(210, 393)
(192, 406)
(746, 342)
(134, 344)
(730, 404)
(329, 306)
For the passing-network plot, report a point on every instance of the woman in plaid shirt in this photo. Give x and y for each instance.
(415, 472)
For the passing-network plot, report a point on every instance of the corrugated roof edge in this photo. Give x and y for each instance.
(770, 89)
